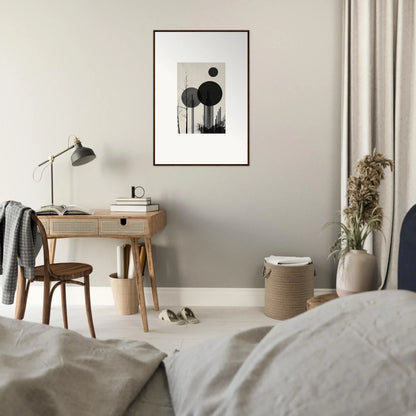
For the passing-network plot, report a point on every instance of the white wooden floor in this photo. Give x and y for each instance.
(215, 321)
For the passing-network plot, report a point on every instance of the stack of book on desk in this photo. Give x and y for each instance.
(134, 205)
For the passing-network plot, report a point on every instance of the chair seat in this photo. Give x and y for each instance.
(64, 271)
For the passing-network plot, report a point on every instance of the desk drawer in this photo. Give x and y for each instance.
(66, 227)
(123, 226)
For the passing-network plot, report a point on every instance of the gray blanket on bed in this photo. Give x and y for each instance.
(53, 371)
(351, 356)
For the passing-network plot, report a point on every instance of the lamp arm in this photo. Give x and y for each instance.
(51, 158)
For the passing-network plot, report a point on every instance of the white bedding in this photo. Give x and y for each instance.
(351, 356)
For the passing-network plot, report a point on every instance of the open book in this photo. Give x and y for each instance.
(63, 210)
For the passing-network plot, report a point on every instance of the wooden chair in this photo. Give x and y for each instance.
(62, 274)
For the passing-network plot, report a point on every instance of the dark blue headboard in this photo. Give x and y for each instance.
(407, 252)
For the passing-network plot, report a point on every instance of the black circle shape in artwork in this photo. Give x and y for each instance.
(190, 97)
(209, 93)
(213, 71)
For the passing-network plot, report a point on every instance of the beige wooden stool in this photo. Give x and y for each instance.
(320, 300)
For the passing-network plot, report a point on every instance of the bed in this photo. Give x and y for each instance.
(352, 356)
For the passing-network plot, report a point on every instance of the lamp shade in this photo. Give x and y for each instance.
(82, 155)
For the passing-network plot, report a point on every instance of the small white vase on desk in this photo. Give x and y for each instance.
(357, 272)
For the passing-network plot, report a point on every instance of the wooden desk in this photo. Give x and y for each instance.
(108, 224)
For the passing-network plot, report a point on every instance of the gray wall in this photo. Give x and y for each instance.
(84, 67)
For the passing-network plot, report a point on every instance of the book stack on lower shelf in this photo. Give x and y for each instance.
(134, 205)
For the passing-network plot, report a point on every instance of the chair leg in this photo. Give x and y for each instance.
(63, 303)
(88, 305)
(47, 299)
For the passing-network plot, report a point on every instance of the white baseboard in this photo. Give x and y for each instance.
(168, 296)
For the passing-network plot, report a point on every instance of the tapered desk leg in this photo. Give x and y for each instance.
(19, 311)
(52, 247)
(151, 272)
(139, 282)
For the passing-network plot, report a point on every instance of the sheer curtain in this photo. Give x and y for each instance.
(379, 110)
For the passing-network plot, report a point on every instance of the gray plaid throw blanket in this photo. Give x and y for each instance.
(19, 244)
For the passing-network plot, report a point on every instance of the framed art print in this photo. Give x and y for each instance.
(200, 97)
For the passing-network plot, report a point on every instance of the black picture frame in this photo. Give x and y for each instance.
(220, 126)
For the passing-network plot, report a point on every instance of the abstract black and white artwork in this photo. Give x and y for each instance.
(200, 100)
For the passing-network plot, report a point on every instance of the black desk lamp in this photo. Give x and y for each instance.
(81, 156)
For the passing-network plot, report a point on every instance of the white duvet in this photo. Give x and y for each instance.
(351, 356)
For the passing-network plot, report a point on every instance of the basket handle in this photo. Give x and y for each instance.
(266, 272)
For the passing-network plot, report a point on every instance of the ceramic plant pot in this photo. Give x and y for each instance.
(357, 272)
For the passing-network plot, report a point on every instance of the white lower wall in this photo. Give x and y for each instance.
(168, 296)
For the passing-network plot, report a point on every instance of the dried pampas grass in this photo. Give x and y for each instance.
(363, 215)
